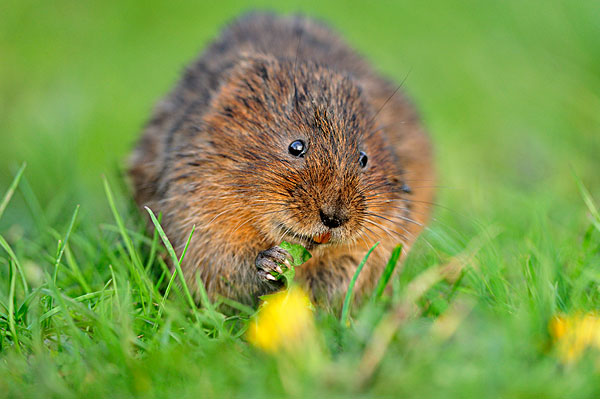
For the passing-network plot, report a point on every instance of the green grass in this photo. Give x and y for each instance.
(510, 93)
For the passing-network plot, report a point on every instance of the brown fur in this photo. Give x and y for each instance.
(215, 155)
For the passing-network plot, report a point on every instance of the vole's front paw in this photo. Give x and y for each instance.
(270, 260)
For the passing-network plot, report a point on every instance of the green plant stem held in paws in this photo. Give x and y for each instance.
(299, 256)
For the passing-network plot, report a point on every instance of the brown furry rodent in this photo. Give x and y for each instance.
(280, 131)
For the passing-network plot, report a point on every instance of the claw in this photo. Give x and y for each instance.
(267, 276)
(271, 260)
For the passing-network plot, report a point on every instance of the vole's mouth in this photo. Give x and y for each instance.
(304, 239)
(322, 238)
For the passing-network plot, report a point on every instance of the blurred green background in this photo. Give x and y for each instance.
(510, 92)
(508, 89)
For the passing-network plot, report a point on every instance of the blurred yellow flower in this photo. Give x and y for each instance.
(573, 334)
(284, 321)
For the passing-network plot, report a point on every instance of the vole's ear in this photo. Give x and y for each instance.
(246, 92)
(247, 59)
(256, 64)
(250, 72)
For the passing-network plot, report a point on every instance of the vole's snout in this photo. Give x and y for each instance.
(332, 218)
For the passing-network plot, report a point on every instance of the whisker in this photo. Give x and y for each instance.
(390, 97)
(395, 216)
(372, 232)
(399, 235)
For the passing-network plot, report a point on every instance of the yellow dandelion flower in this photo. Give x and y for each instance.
(574, 334)
(284, 321)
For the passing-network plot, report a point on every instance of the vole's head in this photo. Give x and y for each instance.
(302, 154)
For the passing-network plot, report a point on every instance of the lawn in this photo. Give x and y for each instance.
(510, 93)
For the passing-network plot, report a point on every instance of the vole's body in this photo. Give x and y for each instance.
(215, 155)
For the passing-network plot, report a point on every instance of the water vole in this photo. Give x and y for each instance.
(280, 131)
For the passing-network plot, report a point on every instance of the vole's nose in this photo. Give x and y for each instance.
(332, 219)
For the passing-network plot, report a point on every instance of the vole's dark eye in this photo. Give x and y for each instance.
(297, 148)
(362, 159)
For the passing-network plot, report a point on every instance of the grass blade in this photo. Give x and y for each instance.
(11, 307)
(387, 272)
(27, 301)
(138, 271)
(247, 310)
(81, 298)
(33, 204)
(153, 247)
(11, 189)
(172, 279)
(56, 295)
(589, 202)
(348, 298)
(174, 258)
(64, 244)
(210, 309)
(12, 255)
(76, 270)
